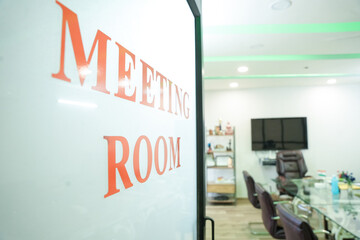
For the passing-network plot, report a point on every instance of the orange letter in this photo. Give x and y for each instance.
(162, 78)
(170, 97)
(82, 64)
(146, 85)
(178, 101)
(172, 150)
(186, 113)
(120, 166)
(123, 73)
(137, 159)
(157, 155)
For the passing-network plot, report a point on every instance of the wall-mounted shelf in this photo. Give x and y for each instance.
(221, 187)
(268, 162)
(224, 135)
(221, 180)
(214, 200)
(219, 151)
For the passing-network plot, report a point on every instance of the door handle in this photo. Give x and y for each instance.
(212, 226)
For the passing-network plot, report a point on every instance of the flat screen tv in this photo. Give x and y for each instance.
(279, 134)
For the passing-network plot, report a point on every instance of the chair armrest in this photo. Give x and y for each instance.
(322, 231)
(278, 202)
(303, 216)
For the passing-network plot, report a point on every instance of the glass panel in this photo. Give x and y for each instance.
(343, 208)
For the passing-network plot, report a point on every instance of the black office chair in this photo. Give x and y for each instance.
(296, 228)
(268, 213)
(250, 186)
(252, 196)
(289, 165)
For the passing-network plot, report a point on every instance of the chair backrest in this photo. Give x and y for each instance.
(250, 186)
(268, 212)
(290, 164)
(295, 228)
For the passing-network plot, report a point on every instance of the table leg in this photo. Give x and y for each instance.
(326, 227)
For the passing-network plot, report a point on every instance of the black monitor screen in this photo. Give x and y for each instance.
(279, 133)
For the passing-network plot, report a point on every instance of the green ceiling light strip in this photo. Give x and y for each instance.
(284, 28)
(332, 75)
(281, 57)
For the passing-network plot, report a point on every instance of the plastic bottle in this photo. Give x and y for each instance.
(334, 185)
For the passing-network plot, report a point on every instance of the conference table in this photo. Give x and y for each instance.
(342, 210)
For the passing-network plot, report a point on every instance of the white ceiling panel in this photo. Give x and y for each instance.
(235, 12)
(212, 85)
(305, 44)
(277, 44)
(347, 66)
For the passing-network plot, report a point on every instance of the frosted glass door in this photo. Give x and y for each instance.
(98, 136)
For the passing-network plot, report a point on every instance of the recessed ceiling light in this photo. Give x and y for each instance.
(234, 85)
(331, 81)
(243, 69)
(281, 4)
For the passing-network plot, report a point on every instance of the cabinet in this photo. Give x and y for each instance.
(220, 165)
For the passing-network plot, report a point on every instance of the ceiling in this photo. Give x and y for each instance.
(305, 44)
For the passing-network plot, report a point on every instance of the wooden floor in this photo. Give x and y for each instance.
(231, 221)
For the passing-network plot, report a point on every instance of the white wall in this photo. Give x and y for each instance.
(333, 119)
